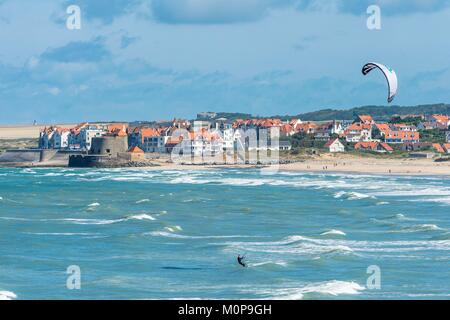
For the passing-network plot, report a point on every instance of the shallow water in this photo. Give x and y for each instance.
(139, 234)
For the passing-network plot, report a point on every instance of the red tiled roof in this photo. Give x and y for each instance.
(438, 148)
(386, 147)
(441, 118)
(365, 118)
(136, 150)
(330, 142)
(404, 135)
(373, 145)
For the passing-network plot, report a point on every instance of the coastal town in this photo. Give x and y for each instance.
(405, 133)
(235, 139)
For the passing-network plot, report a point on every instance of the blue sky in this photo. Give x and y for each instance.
(156, 59)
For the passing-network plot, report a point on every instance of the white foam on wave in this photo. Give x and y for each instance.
(52, 174)
(108, 221)
(423, 227)
(91, 221)
(334, 288)
(141, 217)
(175, 235)
(14, 219)
(93, 205)
(415, 190)
(265, 263)
(7, 295)
(173, 228)
(188, 180)
(27, 170)
(441, 200)
(352, 195)
(300, 245)
(330, 288)
(62, 234)
(168, 235)
(293, 245)
(333, 232)
(244, 182)
(143, 201)
(400, 216)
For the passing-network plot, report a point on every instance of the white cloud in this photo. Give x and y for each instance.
(55, 91)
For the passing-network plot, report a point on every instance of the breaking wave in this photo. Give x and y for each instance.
(174, 235)
(298, 245)
(333, 232)
(269, 263)
(7, 295)
(330, 288)
(352, 195)
(423, 227)
(141, 217)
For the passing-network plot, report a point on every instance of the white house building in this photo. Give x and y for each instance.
(61, 138)
(54, 138)
(88, 133)
(334, 146)
(155, 144)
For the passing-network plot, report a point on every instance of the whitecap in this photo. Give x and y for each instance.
(93, 205)
(441, 200)
(7, 295)
(61, 234)
(334, 288)
(175, 235)
(330, 288)
(92, 221)
(141, 217)
(173, 228)
(300, 245)
(264, 263)
(423, 227)
(333, 232)
(352, 195)
(143, 201)
(52, 174)
(28, 171)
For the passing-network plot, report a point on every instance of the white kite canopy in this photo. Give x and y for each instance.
(390, 75)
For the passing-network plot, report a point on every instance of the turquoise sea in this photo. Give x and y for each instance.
(143, 234)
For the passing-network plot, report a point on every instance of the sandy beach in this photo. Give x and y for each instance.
(339, 163)
(370, 165)
(24, 131)
(326, 163)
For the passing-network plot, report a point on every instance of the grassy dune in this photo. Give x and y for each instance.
(18, 144)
